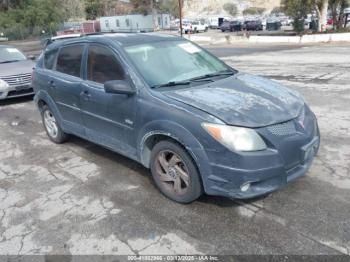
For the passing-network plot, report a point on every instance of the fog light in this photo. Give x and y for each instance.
(245, 187)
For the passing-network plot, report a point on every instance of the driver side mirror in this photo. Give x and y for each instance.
(119, 87)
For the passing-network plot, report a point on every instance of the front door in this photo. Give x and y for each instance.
(108, 118)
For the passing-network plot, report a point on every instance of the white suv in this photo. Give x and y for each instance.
(194, 27)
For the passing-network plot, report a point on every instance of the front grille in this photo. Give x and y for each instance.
(17, 80)
(283, 129)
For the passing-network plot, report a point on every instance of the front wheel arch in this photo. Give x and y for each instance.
(152, 139)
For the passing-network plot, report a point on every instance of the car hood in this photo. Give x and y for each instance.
(243, 100)
(16, 68)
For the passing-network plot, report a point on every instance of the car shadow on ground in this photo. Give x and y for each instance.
(98, 151)
(16, 100)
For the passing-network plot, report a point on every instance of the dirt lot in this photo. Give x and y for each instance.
(79, 198)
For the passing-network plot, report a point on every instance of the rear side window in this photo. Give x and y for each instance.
(49, 59)
(103, 66)
(69, 60)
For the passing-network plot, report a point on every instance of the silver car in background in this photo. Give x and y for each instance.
(15, 73)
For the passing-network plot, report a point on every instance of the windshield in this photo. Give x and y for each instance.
(10, 54)
(173, 61)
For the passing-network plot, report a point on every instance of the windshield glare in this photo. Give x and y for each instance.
(10, 54)
(173, 61)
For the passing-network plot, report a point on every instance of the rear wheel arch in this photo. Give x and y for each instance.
(42, 98)
(41, 103)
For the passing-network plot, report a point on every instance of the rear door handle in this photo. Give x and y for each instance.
(85, 94)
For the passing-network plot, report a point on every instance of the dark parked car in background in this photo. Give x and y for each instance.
(254, 25)
(198, 124)
(231, 26)
(15, 73)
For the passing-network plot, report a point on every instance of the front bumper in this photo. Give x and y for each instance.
(227, 181)
(287, 158)
(16, 91)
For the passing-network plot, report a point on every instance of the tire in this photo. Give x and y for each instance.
(175, 173)
(52, 127)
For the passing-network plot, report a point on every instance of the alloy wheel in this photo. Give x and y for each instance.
(172, 172)
(50, 124)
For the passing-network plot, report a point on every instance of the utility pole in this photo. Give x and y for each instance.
(180, 15)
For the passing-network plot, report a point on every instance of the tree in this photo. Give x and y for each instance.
(27, 18)
(254, 11)
(321, 7)
(231, 9)
(276, 10)
(298, 10)
(143, 6)
(170, 6)
(337, 8)
(73, 8)
(94, 9)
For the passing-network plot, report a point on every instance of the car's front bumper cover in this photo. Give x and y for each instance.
(266, 171)
(16, 91)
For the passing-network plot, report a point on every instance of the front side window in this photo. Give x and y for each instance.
(170, 61)
(103, 66)
(127, 22)
(69, 60)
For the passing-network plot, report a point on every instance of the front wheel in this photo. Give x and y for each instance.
(53, 129)
(175, 173)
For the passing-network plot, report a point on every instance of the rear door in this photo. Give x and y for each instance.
(108, 118)
(65, 86)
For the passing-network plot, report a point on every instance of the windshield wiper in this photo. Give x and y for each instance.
(8, 61)
(172, 83)
(208, 76)
(178, 83)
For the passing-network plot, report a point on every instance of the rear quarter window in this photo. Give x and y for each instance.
(69, 60)
(50, 58)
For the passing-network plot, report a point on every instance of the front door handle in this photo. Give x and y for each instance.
(85, 94)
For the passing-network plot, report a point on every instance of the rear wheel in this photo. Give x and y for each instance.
(174, 172)
(53, 129)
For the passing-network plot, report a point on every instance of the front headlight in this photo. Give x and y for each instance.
(3, 85)
(236, 138)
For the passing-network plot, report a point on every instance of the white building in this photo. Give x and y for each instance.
(135, 23)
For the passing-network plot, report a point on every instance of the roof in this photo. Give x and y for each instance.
(123, 39)
(136, 38)
(65, 36)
